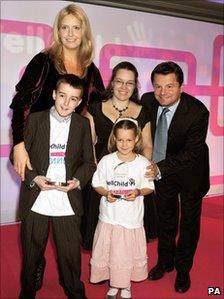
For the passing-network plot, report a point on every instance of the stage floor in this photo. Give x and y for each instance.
(207, 270)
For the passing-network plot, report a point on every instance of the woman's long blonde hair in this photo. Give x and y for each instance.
(86, 48)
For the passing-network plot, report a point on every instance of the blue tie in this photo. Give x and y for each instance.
(160, 141)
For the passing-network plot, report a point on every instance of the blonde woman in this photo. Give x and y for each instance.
(71, 51)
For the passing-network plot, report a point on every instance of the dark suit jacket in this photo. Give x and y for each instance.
(187, 157)
(79, 160)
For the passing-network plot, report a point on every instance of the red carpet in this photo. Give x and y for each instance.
(207, 270)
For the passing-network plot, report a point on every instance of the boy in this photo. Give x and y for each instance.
(60, 148)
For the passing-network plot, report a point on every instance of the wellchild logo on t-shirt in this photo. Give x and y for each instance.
(58, 146)
(57, 153)
(115, 183)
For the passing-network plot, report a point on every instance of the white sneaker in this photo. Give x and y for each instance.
(112, 293)
(126, 293)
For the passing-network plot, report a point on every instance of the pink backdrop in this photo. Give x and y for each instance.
(142, 38)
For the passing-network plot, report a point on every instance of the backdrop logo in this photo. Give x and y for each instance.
(15, 31)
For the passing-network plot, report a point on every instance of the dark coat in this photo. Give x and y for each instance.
(187, 158)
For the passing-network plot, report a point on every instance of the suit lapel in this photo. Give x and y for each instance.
(73, 133)
(178, 117)
(45, 136)
(154, 117)
(181, 110)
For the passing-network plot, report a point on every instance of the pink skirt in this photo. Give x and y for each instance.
(119, 255)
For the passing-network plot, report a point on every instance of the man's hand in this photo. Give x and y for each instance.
(152, 171)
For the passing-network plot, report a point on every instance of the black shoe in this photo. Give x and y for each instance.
(40, 274)
(182, 282)
(158, 271)
(27, 294)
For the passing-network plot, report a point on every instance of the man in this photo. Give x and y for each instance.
(181, 168)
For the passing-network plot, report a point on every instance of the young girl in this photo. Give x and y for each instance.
(119, 247)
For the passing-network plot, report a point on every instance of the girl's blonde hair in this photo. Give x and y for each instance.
(127, 124)
(86, 47)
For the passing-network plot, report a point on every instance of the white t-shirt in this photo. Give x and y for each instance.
(54, 202)
(121, 177)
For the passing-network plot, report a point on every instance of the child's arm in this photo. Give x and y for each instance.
(29, 135)
(137, 192)
(99, 180)
(29, 174)
(32, 177)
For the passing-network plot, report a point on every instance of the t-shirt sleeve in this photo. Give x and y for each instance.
(99, 177)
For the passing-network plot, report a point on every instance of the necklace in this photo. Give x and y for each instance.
(121, 110)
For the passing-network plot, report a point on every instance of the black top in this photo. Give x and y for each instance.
(26, 101)
(103, 126)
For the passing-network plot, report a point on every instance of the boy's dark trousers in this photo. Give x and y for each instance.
(67, 238)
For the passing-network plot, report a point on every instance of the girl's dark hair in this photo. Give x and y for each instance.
(127, 125)
(168, 67)
(124, 65)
